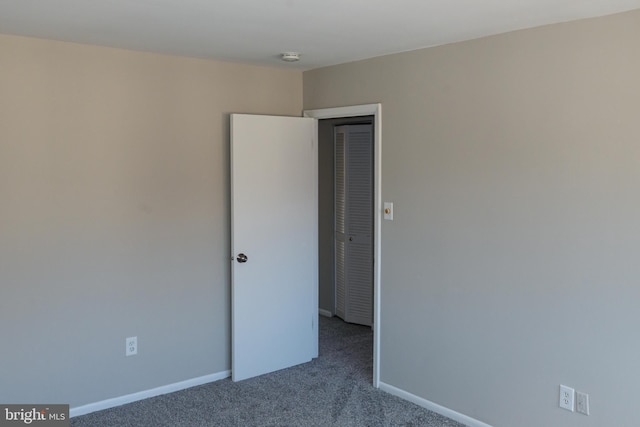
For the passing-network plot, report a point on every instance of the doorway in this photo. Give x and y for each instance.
(327, 119)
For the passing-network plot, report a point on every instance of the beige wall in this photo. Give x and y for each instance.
(114, 215)
(511, 265)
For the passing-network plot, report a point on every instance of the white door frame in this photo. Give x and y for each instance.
(356, 111)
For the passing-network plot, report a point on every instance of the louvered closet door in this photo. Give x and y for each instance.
(340, 206)
(354, 223)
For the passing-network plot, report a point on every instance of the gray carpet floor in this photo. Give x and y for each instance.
(333, 390)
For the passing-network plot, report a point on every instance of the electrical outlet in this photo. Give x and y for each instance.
(131, 344)
(582, 403)
(566, 397)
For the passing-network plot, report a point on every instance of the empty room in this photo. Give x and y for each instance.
(170, 223)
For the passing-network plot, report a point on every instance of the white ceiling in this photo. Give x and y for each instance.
(326, 32)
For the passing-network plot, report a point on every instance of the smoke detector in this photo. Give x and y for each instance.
(290, 56)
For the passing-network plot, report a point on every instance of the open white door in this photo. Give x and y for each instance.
(274, 226)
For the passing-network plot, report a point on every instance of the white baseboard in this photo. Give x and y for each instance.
(145, 394)
(325, 313)
(449, 413)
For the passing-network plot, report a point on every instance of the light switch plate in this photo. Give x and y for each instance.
(582, 403)
(388, 211)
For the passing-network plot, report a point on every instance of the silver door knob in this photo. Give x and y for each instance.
(241, 258)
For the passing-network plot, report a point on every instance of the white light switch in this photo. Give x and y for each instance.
(388, 211)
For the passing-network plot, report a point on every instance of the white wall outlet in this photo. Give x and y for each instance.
(582, 403)
(131, 346)
(566, 397)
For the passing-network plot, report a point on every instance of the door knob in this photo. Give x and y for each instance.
(241, 258)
